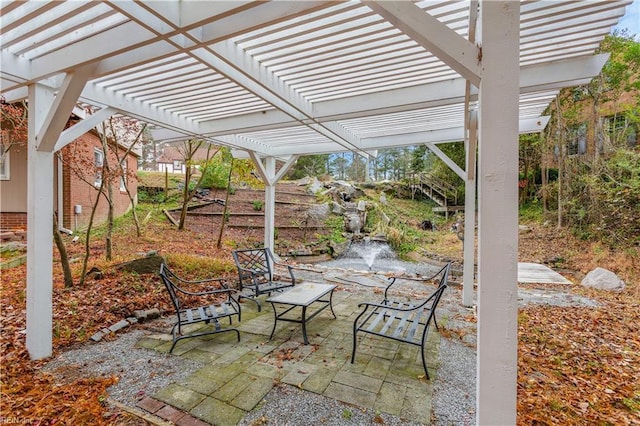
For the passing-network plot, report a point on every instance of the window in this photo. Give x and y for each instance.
(123, 178)
(577, 140)
(177, 167)
(620, 130)
(5, 158)
(98, 159)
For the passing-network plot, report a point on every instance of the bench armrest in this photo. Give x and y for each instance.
(441, 276)
(396, 308)
(207, 292)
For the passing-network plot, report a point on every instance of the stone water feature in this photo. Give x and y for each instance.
(376, 256)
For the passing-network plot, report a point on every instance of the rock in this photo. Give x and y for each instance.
(97, 336)
(153, 313)
(119, 325)
(338, 249)
(149, 264)
(603, 279)
(303, 181)
(337, 208)
(95, 274)
(353, 222)
(362, 206)
(320, 212)
(380, 238)
(383, 198)
(140, 315)
(315, 186)
(524, 229)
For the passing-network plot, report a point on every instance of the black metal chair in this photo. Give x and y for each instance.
(195, 301)
(256, 274)
(403, 321)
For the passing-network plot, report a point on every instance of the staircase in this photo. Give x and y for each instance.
(441, 192)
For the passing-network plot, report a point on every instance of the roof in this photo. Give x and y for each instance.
(304, 77)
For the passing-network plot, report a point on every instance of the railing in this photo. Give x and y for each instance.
(437, 189)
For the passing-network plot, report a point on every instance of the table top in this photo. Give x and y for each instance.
(303, 294)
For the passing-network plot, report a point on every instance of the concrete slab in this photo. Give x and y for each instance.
(537, 273)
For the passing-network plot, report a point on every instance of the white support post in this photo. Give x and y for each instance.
(267, 172)
(39, 229)
(468, 271)
(270, 203)
(497, 359)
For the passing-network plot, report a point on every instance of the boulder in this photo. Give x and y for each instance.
(320, 212)
(146, 265)
(337, 208)
(603, 279)
(354, 223)
(338, 249)
(315, 186)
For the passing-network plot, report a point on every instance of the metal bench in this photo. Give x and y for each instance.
(403, 321)
(207, 301)
(256, 274)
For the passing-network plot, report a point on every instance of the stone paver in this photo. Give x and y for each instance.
(319, 380)
(179, 397)
(350, 395)
(236, 376)
(216, 412)
(388, 397)
(359, 381)
(253, 394)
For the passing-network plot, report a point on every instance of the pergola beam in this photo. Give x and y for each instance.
(63, 104)
(456, 51)
(239, 66)
(78, 129)
(449, 92)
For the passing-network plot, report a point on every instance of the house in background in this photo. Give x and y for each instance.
(596, 130)
(171, 160)
(75, 184)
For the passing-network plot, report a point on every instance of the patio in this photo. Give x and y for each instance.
(387, 377)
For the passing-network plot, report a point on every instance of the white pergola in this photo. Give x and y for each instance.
(283, 79)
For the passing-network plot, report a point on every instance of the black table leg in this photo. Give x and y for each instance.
(275, 320)
(304, 325)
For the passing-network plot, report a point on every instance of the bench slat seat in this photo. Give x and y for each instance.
(402, 321)
(211, 302)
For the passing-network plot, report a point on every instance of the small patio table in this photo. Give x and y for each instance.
(302, 295)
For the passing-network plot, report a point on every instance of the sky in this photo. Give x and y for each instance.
(631, 19)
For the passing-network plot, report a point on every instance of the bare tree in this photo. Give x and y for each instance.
(125, 173)
(188, 150)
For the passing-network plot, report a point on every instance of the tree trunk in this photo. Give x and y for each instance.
(64, 257)
(109, 233)
(185, 197)
(108, 178)
(87, 252)
(226, 206)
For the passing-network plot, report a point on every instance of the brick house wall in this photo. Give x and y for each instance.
(13, 221)
(79, 181)
(78, 174)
